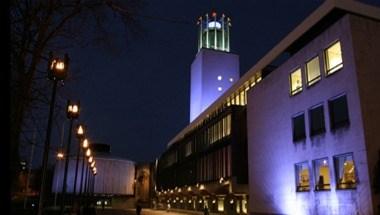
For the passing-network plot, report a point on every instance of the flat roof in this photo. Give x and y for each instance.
(328, 7)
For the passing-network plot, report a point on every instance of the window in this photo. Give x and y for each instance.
(302, 177)
(317, 120)
(338, 112)
(188, 148)
(313, 72)
(345, 171)
(321, 174)
(298, 122)
(333, 57)
(295, 82)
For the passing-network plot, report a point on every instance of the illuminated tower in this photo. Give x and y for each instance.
(214, 68)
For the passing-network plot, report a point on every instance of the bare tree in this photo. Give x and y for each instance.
(40, 26)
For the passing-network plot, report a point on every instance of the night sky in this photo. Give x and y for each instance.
(135, 92)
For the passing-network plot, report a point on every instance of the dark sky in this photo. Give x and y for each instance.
(137, 98)
(135, 93)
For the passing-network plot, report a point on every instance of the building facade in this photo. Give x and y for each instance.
(312, 139)
(310, 122)
(208, 167)
(114, 184)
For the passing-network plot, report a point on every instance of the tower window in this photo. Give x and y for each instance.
(219, 77)
(295, 82)
(333, 57)
(313, 72)
(220, 88)
(317, 120)
(322, 174)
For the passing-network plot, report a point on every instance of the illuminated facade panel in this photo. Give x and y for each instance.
(315, 169)
(208, 67)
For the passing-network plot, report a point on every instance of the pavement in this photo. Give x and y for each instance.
(146, 211)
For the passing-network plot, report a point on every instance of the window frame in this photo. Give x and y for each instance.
(297, 90)
(336, 173)
(317, 79)
(308, 189)
(336, 126)
(316, 184)
(302, 113)
(332, 70)
(321, 130)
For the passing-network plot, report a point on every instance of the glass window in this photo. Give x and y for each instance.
(221, 204)
(298, 122)
(345, 171)
(302, 177)
(313, 72)
(321, 174)
(333, 57)
(188, 148)
(295, 82)
(316, 120)
(338, 112)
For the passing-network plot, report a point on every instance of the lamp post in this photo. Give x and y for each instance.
(85, 145)
(91, 182)
(80, 135)
(72, 113)
(60, 156)
(57, 71)
(88, 154)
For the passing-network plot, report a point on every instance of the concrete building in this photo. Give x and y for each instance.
(311, 123)
(312, 140)
(113, 184)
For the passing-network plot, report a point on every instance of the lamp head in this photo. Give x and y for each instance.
(80, 131)
(57, 68)
(85, 143)
(72, 110)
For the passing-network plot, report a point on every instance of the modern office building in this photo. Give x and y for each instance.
(310, 122)
(313, 121)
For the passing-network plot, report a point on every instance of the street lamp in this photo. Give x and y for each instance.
(72, 112)
(85, 191)
(57, 71)
(60, 156)
(85, 145)
(80, 134)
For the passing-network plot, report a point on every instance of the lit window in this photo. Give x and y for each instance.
(221, 204)
(298, 122)
(219, 77)
(321, 174)
(220, 88)
(302, 177)
(345, 171)
(338, 112)
(295, 82)
(231, 79)
(313, 72)
(333, 57)
(317, 120)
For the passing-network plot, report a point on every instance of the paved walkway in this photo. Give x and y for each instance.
(146, 211)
